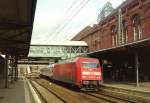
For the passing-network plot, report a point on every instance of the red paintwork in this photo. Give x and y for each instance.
(71, 72)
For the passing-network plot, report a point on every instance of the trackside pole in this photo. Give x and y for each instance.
(137, 68)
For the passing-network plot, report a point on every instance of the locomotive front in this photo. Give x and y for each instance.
(91, 75)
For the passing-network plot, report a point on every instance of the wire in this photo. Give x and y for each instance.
(72, 17)
(60, 29)
(64, 18)
(85, 23)
(89, 16)
(71, 36)
(88, 24)
(75, 33)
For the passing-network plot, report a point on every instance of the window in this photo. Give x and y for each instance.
(114, 36)
(88, 65)
(125, 31)
(136, 20)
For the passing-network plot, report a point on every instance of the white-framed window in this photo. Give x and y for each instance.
(137, 30)
(125, 32)
(114, 36)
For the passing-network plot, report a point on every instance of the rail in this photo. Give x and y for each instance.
(70, 96)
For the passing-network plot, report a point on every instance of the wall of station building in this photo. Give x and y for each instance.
(136, 26)
(104, 35)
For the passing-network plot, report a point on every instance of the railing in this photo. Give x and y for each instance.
(57, 51)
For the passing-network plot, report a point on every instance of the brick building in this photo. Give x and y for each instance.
(122, 39)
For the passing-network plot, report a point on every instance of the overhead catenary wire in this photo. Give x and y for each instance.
(72, 16)
(69, 9)
(73, 34)
(62, 19)
(65, 31)
(66, 36)
(92, 22)
(68, 13)
(89, 16)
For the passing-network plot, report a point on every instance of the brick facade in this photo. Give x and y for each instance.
(135, 26)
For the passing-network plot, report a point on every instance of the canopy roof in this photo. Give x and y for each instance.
(16, 23)
(63, 43)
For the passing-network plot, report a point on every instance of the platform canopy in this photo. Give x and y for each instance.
(16, 23)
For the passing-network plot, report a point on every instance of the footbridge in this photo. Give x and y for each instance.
(62, 50)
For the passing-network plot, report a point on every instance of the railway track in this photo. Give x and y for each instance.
(56, 92)
(68, 96)
(115, 97)
(60, 99)
(109, 98)
(38, 93)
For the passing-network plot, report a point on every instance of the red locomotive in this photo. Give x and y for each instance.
(80, 71)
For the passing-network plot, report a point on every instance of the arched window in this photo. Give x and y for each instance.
(125, 31)
(114, 36)
(136, 20)
(114, 29)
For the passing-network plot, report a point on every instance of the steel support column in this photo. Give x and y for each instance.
(6, 71)
(12, 69)
(104, 62)
(137, 68)
(16, 70)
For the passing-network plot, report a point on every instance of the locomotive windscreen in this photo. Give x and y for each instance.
(88, 65)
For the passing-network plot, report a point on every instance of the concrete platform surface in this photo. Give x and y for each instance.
(17, 92)
(128, 91)
(143, 86)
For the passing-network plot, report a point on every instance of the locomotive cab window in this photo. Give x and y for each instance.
(88, 65)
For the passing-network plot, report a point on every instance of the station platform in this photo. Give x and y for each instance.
(129, 90)
(143, 86)
(17, 92)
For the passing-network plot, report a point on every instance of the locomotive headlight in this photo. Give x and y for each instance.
(97, 73)
(85, 73)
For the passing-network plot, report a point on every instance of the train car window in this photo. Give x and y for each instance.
(89, 65)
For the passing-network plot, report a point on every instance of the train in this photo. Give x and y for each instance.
(82, 72)
(47, 71)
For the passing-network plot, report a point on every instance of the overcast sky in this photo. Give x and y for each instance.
(49, 13)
